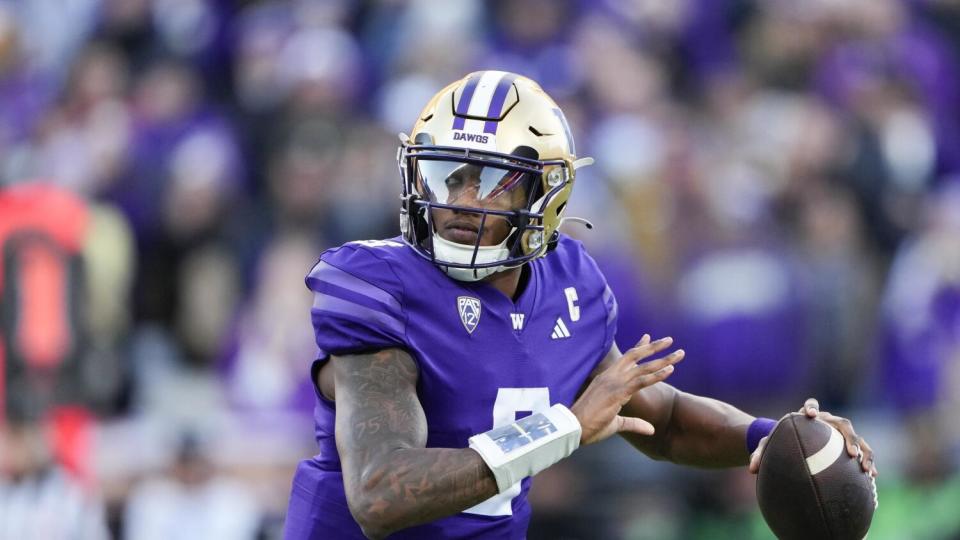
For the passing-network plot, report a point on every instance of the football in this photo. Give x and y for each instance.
(809, 487)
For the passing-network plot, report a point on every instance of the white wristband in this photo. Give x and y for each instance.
(529, 445)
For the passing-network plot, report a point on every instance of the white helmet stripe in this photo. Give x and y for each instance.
(482, 96)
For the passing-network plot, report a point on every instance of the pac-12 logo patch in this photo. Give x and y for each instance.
(469, 308)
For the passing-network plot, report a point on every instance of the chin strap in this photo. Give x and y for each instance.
(452, 252)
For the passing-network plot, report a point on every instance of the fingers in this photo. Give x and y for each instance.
(659, 364)
(811, 407)
(634, 425)
(651, 373)
(754, 466)
(645, 348)
(849, 435)
(868, 460)
(856, 446)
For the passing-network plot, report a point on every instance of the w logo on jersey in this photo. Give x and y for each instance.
(469, 308)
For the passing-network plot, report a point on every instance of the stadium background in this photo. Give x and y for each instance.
(776, 187)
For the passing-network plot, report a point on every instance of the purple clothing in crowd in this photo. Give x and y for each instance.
(24, 98)
(918, 356)
(917, 57)
(741, 321)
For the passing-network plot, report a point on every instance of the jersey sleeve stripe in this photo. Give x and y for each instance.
(357, 298)
(325, 272)
(325, 303)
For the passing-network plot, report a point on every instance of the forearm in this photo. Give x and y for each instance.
(391, 479)
(697, 431)
(410, 486)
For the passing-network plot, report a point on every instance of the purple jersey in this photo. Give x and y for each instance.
(484, 361)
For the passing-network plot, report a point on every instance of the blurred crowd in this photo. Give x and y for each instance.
(777, 186)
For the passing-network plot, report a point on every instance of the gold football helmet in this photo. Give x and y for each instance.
(491, 146)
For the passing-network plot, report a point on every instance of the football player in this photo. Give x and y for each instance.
(477, 349)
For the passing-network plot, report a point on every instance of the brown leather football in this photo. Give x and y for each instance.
(809, 487)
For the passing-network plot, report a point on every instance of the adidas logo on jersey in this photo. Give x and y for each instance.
(560, 330)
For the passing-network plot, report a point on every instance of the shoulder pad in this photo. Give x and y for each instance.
(365, 260)
(357, 298)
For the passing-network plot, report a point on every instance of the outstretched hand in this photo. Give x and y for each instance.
(599, 406)
(856, 445)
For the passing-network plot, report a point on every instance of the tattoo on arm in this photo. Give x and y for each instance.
(392, 481)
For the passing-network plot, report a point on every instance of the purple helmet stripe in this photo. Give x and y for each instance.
(465, 98)
(496, 104)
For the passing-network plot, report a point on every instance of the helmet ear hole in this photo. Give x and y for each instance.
(423, 138)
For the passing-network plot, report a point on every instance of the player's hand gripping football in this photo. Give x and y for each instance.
(599, 405)
(856, 446)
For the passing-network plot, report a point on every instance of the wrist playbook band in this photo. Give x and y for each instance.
(759, 428)
(529, 445)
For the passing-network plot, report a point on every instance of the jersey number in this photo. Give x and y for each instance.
(509, 402)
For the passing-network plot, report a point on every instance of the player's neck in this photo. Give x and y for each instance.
(508, 282)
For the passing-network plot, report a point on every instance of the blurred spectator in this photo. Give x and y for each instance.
(840, 283)
(38, 498)
(273, 341)
(127, 25)
(529, 38)
(193, 501)
(301, 175)
(83, 142)
(52, 31)
(208, 287)
(25, 93)
(898, 81)
(179, 143)
(921, 316)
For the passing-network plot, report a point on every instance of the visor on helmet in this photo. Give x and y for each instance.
(473, 185)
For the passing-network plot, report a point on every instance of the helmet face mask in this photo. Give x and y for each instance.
(483, 194)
